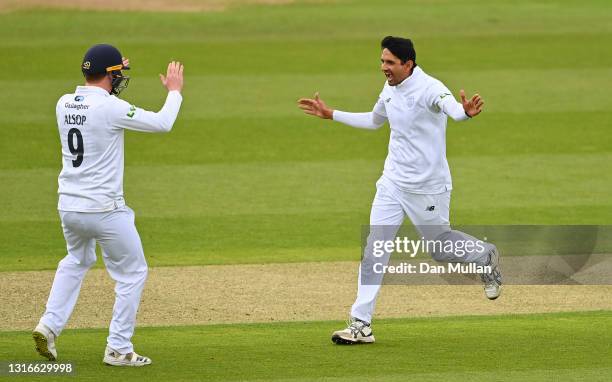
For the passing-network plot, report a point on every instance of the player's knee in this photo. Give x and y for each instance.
(75, 262)
(143, 274)
(437, 251)
(89, 262)
(439, 255)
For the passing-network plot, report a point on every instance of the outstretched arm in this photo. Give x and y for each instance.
(460, 111)
(134, 118)
(369, 120)
(318, 108)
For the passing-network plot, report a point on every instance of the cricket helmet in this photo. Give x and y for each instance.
(103, 59)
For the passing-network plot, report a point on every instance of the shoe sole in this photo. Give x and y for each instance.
(129, 364)
(123, 363)
(42, 347)
(338, 340)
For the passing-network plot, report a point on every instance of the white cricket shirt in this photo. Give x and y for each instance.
(91, 123)
(417, 111)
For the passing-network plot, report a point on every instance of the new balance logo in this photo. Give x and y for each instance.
(388, 100)
(430, 208)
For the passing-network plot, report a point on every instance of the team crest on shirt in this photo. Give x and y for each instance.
(410, 101)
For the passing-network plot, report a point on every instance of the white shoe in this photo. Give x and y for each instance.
(114, 358)
(492, 281)
(357, 332)
(44, 339)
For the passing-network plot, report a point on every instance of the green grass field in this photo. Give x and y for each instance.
(560, 347)
(244, 177)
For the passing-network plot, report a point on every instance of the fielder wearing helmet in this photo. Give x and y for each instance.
(105, 60)
(91, 123)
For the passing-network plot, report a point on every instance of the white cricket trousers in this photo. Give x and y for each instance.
(389, 209)
(123, 256)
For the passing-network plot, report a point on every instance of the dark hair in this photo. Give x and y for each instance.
(94, 77)
(401, 48)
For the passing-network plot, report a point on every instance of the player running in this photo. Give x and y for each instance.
(91, 124)
(416, 180)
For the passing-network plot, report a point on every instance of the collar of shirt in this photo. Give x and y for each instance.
(411, 81)
(90, 90)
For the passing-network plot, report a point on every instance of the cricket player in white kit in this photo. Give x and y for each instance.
(416, 180)
(91, 123)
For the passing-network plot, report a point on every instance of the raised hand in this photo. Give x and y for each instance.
(173, 80)
(315, 107)
(473, 107)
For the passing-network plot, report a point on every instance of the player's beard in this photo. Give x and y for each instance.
(390, 78)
